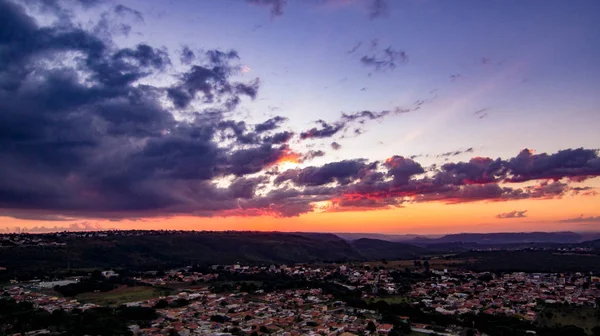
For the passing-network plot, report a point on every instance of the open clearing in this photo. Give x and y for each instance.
(393, 299)
(434, 263)
(122, 295)
(583, 317)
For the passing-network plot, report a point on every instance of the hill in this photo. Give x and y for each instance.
(376, 249)
(175, 249)
(595, 244)
(384, 236)
(505, 238)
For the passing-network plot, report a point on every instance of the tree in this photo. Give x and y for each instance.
(161, 304)
(426, 265)
(97, 275)
(470, 332)
(371, 326)
(596, 331)
(400, 329)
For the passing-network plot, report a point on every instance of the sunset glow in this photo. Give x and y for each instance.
(334, 116)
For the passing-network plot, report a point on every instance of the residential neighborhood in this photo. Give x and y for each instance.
(198, 307)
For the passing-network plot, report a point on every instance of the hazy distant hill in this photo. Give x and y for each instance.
(479, 238)
(383, 236)
(505, 238)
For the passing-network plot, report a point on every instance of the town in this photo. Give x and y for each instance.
(225, 300)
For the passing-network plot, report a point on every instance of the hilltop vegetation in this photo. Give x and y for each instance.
(154, 250)
(161, 251)
(531, 261)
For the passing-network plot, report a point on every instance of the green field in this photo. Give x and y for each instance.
(123, 295)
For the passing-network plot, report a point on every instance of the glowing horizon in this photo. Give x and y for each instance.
(347, 116)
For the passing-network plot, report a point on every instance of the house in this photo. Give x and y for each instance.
(109, 274)
(384, 328)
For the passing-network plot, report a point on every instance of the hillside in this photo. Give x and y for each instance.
(156, 251)
(595, 244)
(505, 238)
(375, 249)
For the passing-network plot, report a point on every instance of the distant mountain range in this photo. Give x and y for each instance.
(383, 236)
(483, 238)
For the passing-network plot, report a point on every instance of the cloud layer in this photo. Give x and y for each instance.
(512, 214)
(87, 130)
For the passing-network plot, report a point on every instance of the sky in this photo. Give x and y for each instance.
(391, 116)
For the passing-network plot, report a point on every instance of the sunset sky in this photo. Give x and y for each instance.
(392, 116)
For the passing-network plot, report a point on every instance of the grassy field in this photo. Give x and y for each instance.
(122, 295)
(583, 317)
(391, 299)
(434, 263)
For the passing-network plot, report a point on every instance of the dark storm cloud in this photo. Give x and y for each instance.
(386, 59)
(402, 169)
(455, 153)
(512, 214)
(82, 138)
(33, 215)
(311, 154)
(270, 124)
(325, 130)
(362, 116)
(276, 6)
(444, 155)
(213, 83)
(253, 160)
(479, 179)
(279, 138)
(145, 56)
(187, 55)
(577, 164)
(220, 58)
(286, 202)
(494, 193)
(126, 11)
(342, 172)
(61, 8)
(478, 170)
(244, 187)
(351, 204)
